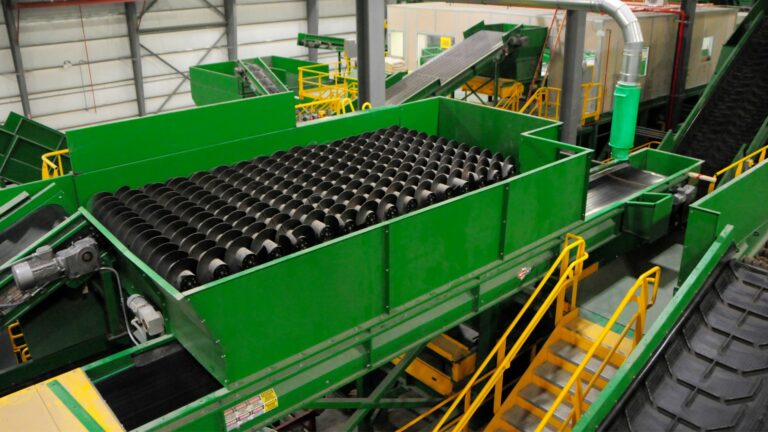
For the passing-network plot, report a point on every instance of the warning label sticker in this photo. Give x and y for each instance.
(250, 409)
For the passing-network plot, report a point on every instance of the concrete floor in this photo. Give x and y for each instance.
(601, 292)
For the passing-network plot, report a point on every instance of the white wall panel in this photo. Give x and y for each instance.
(180, 17)
(183, 60)
(55, 55)
(62, 97)
(271, 12)
(338, 25)
(6, 61)
(58, 29)
(182, 41)
(334, 8)
(254, 33)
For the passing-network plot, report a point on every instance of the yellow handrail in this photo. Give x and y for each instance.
(18, 343)
(570, 271)
(543, 101)
(652, 276)
(593, 94)
(739, 165)
(510, 98)
(51, 169)
(649, 144)
(317, 84)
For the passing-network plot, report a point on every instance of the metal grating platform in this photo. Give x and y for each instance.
(617, 183)
(447, 65)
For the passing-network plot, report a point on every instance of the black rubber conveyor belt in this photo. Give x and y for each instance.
(711, 374)
(215, 223)
(736, 109)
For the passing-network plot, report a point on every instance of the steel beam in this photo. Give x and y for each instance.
(230, 19)
(384, 385)
(18, 64)
(132, 21)
(677, 87)
(185, 77)
(570, 108)
(313, 25)
(370, 52)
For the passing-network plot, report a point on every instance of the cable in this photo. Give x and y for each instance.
(122, 302)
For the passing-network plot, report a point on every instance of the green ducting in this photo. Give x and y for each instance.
(626, 100)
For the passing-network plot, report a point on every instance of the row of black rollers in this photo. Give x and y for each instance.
(198, 229)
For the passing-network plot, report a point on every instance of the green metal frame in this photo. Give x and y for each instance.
(394, 302)
(22, 143)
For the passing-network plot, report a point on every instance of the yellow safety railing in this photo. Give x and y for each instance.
(321, 82)
(570, 262)
(52, 164)
(320, 108)
(649, 144)
(576, 397)
(593, 100)
(509, 98)
(740, 166)
(545, 102)
(18, 343)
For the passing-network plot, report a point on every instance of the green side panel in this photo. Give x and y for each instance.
(625, 107)
(733, 204)
(296, 303)
(214, 83)
(171, 135)
(491, 128)
(647, 215)
(58, 191)
(22, 143)
(545, 200)
(461, 237)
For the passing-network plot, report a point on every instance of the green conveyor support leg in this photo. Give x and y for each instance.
(626, 101)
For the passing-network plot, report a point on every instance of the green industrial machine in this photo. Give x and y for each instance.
(232, 80)
(455, 220)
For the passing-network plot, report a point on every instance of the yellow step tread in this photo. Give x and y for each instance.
(590, 330)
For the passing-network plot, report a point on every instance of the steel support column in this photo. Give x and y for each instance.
(313, 25)
(570, 108)
(231, 21)
(677, 87)
(10, 26)
(131, 20)
(370, 52)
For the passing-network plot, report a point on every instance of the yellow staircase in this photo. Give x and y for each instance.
(572, 367)
(549, 373)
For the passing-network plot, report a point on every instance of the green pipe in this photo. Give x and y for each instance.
(626, 101)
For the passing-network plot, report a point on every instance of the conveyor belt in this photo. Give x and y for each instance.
(447, 66)
(262, 78)
(617, 183)
(736, 109)
(712, 373)
(198, 229)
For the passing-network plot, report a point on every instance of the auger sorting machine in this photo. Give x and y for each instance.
(234, 267)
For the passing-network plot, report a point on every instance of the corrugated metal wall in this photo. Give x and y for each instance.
(77, 59)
